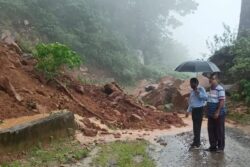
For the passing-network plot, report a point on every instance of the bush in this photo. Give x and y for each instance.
(245, 90)
(51, 57)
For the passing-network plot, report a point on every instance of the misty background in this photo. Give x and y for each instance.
(206, 22)
(127, 40)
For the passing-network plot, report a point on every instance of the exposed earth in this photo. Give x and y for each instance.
(24, 92)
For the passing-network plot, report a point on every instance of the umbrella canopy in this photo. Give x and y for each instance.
(198, 66)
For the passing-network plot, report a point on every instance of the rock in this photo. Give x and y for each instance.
(169, 107)
(89, 124)
(84, 69)
(105, 133)
(117, 113)
(162, 142)
(89, 132)
(151, 107)
(41, 109)
(40, 92)
(168, 91)
(111, 88)
(6, 86)
(150, 88)
(31, 105)
(135, 117)
(26, 91)
(117, 135)
(26, 22)
(10, 40)
(161, 107)
(79, 89)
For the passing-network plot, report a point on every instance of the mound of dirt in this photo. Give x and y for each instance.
(171, 91)
(25, 92)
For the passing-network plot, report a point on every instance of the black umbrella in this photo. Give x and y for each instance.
(198, 66)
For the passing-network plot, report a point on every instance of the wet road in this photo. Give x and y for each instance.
(177, 153)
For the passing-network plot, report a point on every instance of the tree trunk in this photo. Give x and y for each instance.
(244, 27)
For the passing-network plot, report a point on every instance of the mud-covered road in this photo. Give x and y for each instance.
(177, 153)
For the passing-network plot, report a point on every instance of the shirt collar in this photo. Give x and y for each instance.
(214, 87)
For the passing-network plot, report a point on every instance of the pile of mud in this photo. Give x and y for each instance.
(25, 92)
(171, 94)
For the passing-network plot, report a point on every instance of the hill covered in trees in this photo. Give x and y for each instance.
(129, 38)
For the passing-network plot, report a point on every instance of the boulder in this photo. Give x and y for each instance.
(172, 91)
(89, 132)
(7, 38)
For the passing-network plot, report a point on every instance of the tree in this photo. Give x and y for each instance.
(244, 27)
(107, 32)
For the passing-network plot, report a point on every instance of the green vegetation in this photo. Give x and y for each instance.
(244, 92)
(233, 55)
(242, 118)
(52, 57)
(235, 52)
(124, 154)
(114, 35)
(56, 153)
(237, 110)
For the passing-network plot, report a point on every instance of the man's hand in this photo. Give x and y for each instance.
(216, 115)
(187, 114)
(197, 92)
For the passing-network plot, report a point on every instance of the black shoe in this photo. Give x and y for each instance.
(211, 149)
(195, 146)
(219, 150)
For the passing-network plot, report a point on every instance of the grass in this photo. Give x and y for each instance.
(238, 111)
(123, 154)
(241, 118)
(54, 154)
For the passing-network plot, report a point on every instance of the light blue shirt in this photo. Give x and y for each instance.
(199, 100)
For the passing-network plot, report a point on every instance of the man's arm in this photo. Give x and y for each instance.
(222, 97)
(202, 94)
(221, 105)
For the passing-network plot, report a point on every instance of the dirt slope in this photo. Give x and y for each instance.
(23, 92)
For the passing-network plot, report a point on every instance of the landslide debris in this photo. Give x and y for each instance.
(171, 94)
(23, 92)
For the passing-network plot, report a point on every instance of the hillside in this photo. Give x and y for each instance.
(23, 92)
(111, 35)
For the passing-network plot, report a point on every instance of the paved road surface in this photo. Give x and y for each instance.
(177, 153)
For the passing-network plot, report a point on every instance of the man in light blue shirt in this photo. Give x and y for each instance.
(197, 99)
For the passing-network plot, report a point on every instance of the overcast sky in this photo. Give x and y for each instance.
(206, 22)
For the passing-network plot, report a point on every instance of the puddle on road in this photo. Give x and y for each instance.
(177, 153)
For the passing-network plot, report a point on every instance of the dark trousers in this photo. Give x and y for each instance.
(216, 132)
(197, 115)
